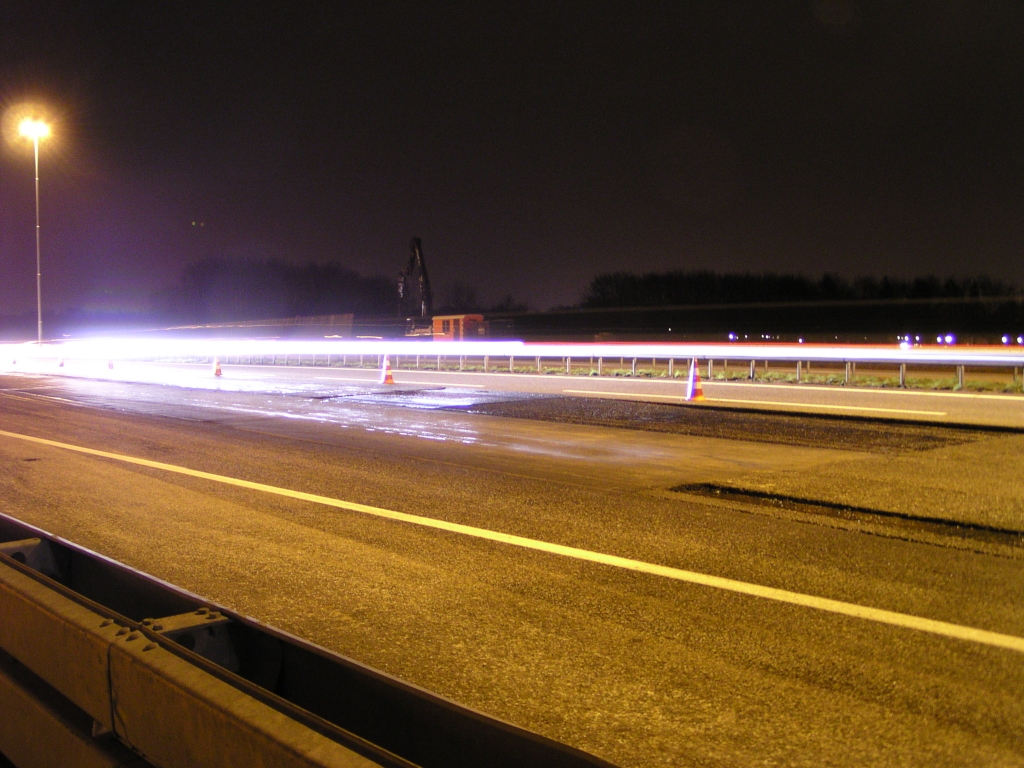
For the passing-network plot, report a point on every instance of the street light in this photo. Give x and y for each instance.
(36, 130)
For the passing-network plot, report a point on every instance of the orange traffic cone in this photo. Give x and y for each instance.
(694, 391)
(385, 372)
(216, 366)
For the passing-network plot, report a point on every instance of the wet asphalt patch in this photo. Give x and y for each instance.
(814, 430)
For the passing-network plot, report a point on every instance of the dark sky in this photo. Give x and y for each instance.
(530, 148)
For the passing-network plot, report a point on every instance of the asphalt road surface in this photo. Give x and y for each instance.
(812, 399)
(555, 563)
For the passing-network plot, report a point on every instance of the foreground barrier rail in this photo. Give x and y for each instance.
(103, 665)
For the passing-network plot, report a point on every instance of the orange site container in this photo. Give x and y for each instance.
(459, 327)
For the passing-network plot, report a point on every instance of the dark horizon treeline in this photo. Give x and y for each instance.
(219, 290)
(662, 289)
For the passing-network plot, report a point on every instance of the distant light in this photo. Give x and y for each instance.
(950, 338)
(938, 339)
(33, 129)
(1020, 339)
(800, 341)
(1006, 339)
(733, 337)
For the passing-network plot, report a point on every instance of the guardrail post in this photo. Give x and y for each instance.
(511, 364)
(753, 372)
(439, 362)
(671, 368)
(538, 365)
(711, 369)
(568, 366)
(799, 366)
(903, 375)
(600, 366)
(847, 380)
(462, 362)
(959, 377)
(487, 361)
(633, 373)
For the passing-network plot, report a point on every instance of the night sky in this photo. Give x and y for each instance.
(530, 148)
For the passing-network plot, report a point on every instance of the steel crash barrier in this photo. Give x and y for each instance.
(502, 355)
(101, 665)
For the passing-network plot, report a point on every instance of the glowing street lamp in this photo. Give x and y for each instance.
(36, 130)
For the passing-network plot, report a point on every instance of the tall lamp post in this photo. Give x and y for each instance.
(36, 130)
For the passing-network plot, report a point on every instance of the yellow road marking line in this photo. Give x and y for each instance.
(18, 397)
(682, 398)
(904, 620)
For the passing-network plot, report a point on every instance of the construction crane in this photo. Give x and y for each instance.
(415, 302)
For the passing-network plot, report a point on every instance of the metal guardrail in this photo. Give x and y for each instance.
(167, 348)
(498, 356)
(184, 682)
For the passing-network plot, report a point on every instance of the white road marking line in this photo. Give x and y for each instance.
(616, 395)
(682, 383)
(399, 380)
(866, 390)
(682, 398)
(829, 407)
(892, 618)
(365, 380)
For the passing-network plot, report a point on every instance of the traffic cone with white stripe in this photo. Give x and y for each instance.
(385, 372)
(216, 366)
(694, 391)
